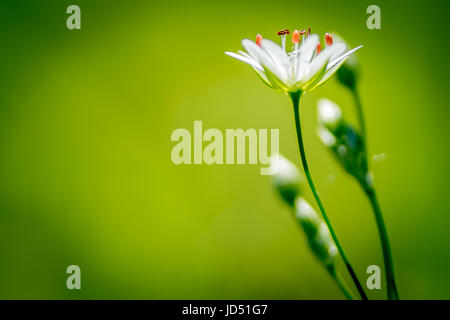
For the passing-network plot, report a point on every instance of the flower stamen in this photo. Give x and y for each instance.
(328, 39)
(302, 33)
(319, 48)
(283, 34)
(258, 39)
(296, 39)
(296, 36)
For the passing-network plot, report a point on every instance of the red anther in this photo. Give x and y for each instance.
(309, 32)
(258, 39)
(302, 32)
(319, 48)
(328, 39)
(296, 36)
(283, 32)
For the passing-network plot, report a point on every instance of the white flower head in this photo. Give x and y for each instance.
(328, 113)
(304, 68)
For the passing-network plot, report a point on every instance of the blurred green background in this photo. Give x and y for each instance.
(86, 176)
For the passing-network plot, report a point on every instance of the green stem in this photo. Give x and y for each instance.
(362, 123)
(359, 111)
(340, 282)
(296, 102)
(392, 291)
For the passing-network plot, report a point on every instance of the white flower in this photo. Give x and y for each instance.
(303, 69)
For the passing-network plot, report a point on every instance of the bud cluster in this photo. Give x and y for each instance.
(288, 182)
(342, 139)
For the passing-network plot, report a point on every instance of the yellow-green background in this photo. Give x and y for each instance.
(86, 176)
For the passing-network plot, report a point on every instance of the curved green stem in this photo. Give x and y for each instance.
(296, 102)
(392, 291)
(340, 282)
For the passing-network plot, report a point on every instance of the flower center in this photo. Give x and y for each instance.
(297, 37)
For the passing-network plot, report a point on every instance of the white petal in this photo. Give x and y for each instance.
(317, 65)
(245, 54)
(337, 48)
(247, 60)
(275, 68)
(263, 77)
(304, 56)
(334, 65)
(344, 56)
(276, 52)
(308, 47)
(328, 54)
(254, 51)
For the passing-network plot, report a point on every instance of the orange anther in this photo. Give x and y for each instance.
(328, 39)
(258, 39)
(296, 36)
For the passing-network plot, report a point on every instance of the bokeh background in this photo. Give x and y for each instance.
(86, 176)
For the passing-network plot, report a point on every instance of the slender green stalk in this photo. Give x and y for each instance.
(392, 291)
(296, 102)
(359, 110)
(340, 282)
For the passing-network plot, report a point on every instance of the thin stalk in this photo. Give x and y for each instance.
(296, 102)
(340, 282)
(362, 123)
(392, 292)
(359, 111)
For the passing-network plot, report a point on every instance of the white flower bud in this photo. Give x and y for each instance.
(286, 178)
(342, 139)
(317, 232)
(329, 113)
(326, 136)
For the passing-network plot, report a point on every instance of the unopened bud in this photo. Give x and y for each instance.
(342, 139)
(286, 178)
(326, 136)
(329, 113)
(317, 232)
